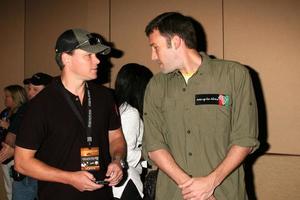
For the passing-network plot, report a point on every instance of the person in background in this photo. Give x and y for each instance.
(200, 116)
(71, 138)
(14, 99)
(130, 86)
(24, 187)
(37, 83)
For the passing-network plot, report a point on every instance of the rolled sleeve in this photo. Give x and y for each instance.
(244, 117)
(153, 138)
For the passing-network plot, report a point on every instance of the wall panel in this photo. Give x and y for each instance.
(277, 177)
(12, 44)
(45, 20)
(265, 36)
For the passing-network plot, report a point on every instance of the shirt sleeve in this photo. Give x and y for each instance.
(244, 111)
(32, 127)
(153, 138)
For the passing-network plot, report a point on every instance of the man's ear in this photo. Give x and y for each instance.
(176, 41)
(65, 58)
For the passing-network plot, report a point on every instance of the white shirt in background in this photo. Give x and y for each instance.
(133, 129)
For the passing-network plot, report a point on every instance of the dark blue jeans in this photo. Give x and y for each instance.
(25, 189)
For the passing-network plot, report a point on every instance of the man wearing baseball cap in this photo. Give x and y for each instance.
(37, 83)
(71, 138)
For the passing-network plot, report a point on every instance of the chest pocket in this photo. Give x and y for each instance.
(213, 119)
(223, 118)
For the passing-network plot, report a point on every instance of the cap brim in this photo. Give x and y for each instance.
(98, 48)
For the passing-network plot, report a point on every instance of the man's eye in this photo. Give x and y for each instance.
(155, 48)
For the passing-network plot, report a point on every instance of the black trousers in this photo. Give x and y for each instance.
(130, 192)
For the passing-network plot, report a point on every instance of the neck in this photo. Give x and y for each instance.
(192, 61)
(73, 85)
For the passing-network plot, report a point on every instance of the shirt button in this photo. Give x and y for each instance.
(188, 131)
(190, 154)
(183, 89)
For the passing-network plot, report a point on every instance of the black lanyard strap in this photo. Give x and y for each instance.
(89, 137)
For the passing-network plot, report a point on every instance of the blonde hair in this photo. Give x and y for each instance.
(18, 94)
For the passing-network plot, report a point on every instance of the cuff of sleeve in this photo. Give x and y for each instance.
(246, 142)
(153, 147)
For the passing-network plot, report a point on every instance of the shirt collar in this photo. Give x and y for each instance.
(203, 69)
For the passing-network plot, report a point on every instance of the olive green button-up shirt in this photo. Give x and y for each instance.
(198, 122)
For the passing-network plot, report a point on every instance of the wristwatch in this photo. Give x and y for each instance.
(123, 164)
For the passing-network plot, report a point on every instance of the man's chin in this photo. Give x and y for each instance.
(91, 78)
(164, 71)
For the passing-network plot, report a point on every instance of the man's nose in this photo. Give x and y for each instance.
(153, 55)
(95, 59)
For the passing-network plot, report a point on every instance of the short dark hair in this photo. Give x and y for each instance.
(59, 60)
(130, 85)
(174, 23)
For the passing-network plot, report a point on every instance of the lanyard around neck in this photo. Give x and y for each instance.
(89, 137)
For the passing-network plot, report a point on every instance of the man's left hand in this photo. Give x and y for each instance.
(114, 172)
(198, 188)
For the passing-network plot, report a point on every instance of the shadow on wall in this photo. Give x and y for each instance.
(105, 65)
(262, 115)
(263, 135)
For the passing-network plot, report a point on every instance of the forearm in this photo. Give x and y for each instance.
(165, 162)
(35, 168)
(117, 145)
(234, 158)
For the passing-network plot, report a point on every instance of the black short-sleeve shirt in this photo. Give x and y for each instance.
(51, 127)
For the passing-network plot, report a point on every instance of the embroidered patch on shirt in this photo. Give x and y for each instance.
(216, 99)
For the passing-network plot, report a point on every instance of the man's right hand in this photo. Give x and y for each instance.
(84, 181)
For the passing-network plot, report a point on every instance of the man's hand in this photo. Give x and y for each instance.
(6, 152)
(83, 181)
(198, 188)
(114, 172)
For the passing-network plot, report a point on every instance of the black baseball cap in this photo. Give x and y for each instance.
(80, 39)
(38, 79)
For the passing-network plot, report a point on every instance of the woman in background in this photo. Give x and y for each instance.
(130, 87)
(14, 99)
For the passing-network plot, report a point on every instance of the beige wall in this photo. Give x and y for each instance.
(262, 34)
(265, 36)
(11, 43)
(129, 20)
(277, 177)
(45, 20)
